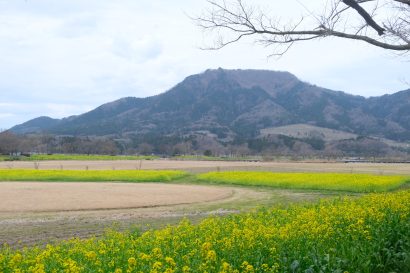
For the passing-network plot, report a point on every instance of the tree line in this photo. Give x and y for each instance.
(150, 144)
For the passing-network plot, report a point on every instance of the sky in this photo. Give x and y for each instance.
(66, 57)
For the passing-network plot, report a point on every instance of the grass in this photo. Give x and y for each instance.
(42, 157)
(311, 181)
(215, 158)
(366, 234)
(91, 175)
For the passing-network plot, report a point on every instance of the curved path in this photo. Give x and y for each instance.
(51, 196)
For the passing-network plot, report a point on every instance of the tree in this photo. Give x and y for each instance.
(9, 143)
(145, 149)
(384, 24)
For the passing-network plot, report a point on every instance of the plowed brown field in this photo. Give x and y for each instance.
(42, 197)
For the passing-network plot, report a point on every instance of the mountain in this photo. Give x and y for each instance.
(237, 103)
(39, 124)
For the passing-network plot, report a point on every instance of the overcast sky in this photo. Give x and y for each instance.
(65, 57)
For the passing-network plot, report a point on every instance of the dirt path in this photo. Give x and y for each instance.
(203, 166)
(41, 197)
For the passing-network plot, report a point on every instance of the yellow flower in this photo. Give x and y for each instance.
(211, 255)
(157, 253)
(206, 246)
(132, 262)
(70, 266)
(16, 259)
(170, 261)
(157, 265)
(91, 255)
(145, 257)
(39, 268)
(248, 268)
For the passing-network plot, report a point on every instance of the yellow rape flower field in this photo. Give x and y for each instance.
(313, 181)
(91, 175)
(366, 234)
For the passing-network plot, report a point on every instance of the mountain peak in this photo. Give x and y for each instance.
(270, 81)
(238, 102)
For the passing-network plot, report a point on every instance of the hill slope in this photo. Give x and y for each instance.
(232, 103)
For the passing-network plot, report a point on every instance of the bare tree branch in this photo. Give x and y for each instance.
(234, 20)
(407, 2)
(366, 16)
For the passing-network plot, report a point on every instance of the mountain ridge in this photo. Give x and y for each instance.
(237, 103)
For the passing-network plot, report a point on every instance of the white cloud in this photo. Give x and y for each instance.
(6, 115)
(61, 58)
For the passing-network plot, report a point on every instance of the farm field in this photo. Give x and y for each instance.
(310, 181)
(91, 175)
(368, 234)
(22, 228)
(42, 197)
(40, 212)
(245, 225)
(206, 166)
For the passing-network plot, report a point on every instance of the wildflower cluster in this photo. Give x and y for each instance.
(314, 181)
(368, 234)
(91, 175)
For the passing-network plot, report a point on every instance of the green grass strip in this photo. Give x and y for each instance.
(85, 157)
(91, 175)
(313, 181)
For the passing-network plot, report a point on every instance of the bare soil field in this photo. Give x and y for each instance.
(41, 212)
(21, 225)
(42, 197)
(204, 166)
